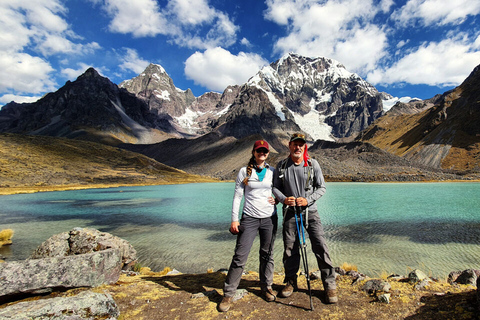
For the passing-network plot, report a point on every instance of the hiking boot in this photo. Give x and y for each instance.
(332, 296)
(289, 288)
(269, 294)
(225, 304)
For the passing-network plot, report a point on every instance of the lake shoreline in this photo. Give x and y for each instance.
(35, 189)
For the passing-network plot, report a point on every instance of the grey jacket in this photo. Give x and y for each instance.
(294, 182)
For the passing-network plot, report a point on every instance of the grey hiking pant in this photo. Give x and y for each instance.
(267, 229)
(291, 254)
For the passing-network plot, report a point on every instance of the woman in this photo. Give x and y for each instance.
(259, 214)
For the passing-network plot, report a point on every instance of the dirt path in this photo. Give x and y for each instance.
(195, 296)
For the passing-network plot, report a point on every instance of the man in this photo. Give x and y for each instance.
(298, 183)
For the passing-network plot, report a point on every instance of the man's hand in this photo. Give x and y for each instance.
(290, 201)
(301, 202)
(234, 227)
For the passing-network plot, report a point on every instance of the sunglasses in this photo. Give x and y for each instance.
(261, 150)
(298, 135)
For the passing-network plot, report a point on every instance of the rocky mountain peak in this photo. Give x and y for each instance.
(89, 73)
(91, 108)
(154, 78)
(155, 87)
(92, 80)
(323, 98)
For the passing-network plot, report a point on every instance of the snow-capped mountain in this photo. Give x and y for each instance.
(317, 95)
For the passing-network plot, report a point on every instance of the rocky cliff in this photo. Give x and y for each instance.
(90, 108)
(446, 135)
(187, 115)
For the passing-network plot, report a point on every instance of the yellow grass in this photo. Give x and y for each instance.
(349, 267)
(6, 237)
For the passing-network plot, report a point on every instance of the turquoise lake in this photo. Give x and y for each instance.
(380, 227)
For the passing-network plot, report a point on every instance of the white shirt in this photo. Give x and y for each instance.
(256, 195)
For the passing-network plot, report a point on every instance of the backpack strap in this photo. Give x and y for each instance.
(283, 168)
(309, 174)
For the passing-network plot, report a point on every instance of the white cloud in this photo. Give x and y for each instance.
(245, 42)
(14, 35)
(436, 12)
(385, 5)
(188, 23)
(217, 68)
(25, 74)
(6, 98)
(402, 43)
(281, 11)
(37, 25)
(73, 74)
(29, 31)
(476, 44)
(334, 29)
(192, 12)
(444, 63)
(369, 45)
(54, 43)
(46, 15)
(346, 30)
(131, 61)
(140, 17)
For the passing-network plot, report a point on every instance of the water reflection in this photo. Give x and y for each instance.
(427, 232)
(377, 227)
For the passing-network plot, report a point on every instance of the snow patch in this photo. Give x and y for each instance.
(276, 104)
(160, 68)
(165, 95)
(224, 110)
(323, 97)
(314, 124)
(389, 103)
(187, 120)
(350, 103)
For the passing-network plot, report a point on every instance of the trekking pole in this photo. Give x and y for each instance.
(303, 252)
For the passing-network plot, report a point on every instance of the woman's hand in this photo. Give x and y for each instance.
(234, 227)
(272, 200)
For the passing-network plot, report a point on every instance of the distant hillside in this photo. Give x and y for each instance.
(222, 157)
(446, 135)
(38, 163)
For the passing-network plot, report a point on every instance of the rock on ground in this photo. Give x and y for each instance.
(85, 305)
(86, 270)
(85, 240)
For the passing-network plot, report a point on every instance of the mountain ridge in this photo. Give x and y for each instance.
(267, 107)
(446, 135)
(89, 108)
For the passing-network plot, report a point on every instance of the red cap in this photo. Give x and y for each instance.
(261, 144)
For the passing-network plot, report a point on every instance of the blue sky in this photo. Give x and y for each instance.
(414, 48)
